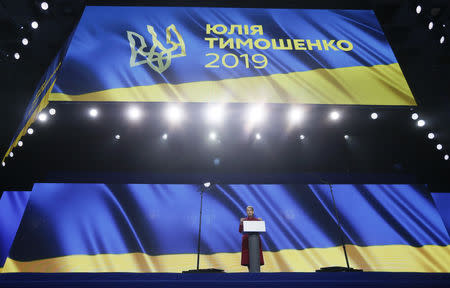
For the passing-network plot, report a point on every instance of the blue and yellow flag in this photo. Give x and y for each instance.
(159, 54)
(154, 228)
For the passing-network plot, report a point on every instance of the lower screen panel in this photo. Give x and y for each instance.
(153, 228)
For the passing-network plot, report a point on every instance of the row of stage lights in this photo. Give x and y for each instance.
(432, 24)
(43, 6)
(215, 115)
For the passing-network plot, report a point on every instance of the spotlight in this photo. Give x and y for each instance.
(212, 136)
(346, 137)
(42, 117)
(215, 114)
(374, 116)
(174, 114)
(25, 41)
(430, 135)
(207, 184)
(415, 116)
(446, 157)
(117, 137)
(430, 25)
(30, 131)
(44, 6)
(16, 56)
(11, 154)
(3, 164)
(93, 112)
(20, 143)
(164, 136)
(34, 25)
(442, 40)
(295, 115)
(134, 113)
(256, 114)
(418, 9)
(439, 147)
(334, 115)
(302, 137)
(52, 111)
(258, 136)
(421, 123)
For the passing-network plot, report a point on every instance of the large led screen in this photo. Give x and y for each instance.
(191, 54)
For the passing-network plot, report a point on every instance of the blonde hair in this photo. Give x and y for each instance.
(250, 207)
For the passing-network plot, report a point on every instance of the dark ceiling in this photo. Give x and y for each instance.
(392, 146)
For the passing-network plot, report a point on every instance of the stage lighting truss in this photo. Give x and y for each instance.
(34, 25)
(174, 114)
(335, 115)
(42, 117)
(215, 113)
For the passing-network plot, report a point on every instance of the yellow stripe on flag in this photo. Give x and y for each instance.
(360, 85)
(390, 258)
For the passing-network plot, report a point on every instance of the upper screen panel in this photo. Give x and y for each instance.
(170, 54)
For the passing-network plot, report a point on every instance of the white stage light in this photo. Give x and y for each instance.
(117, 137)
(421, 123)
(334, 115)
(52, 111)
(174, 114)
(42, 117)
(207, 184)
(418, 9)
(374, 116)
(439, 147)
(30, 131)
(295, 115)
(215, 113)
(430, 135)
(346, 137)
(20, 143)
(446, 157)
(16, 56)
(93, 112)
(44, 6)
(256, 114)
(442, 40)
(212, 136)
(34, 25)
(258, 136)
(11, 154)
(302, 137)
(415, 116)
(3, 164)
(25, 41)
(430, 25)
(164, 136)
(134, 113)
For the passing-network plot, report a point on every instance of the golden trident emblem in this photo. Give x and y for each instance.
(157, 60)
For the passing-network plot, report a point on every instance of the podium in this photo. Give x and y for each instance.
(253, 229)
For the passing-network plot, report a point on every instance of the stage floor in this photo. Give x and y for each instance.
(167, 280)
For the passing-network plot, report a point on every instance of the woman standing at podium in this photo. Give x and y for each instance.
(244, 254)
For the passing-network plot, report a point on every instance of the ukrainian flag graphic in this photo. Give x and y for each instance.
(153, 228)
(160, 54)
